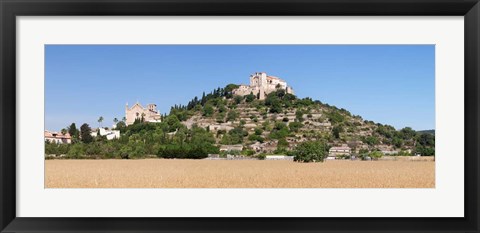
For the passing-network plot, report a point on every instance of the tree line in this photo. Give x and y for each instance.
(168, 139)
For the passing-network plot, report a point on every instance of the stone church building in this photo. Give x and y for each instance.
(261, 85)
(149, 114)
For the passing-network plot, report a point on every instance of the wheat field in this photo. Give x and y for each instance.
(176, 173)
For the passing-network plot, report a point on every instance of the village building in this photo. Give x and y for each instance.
(148, 114)
(261, 85)
(109, 134)
(59, 138)
(338, 151)
(387, 150)
(278, 157)
(238, 147)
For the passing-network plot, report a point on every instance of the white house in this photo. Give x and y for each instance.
(278, 157)
(110, 134)
(338, 150)
(59, 138)
(238, 147)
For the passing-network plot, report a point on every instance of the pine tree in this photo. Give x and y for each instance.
(85, 133)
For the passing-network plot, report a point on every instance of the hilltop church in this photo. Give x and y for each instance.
(149, 114)
(261, 85)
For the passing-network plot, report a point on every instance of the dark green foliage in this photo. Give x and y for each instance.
(197, 145)
(290, 98)
(335, 117)
(375, 155)
(248, 152)
(274, 102)
(426, 139)
(336, 131)
(363, 154)
(262, 156)
(238, 99)
(121, 126)
(249, 98)
(141, 127)
(141, 140)
(227, 92)
(279, 131)
(220, 117)
(278, 100)
(232, 115)
(187, 151)
(208, 110)
(310, 151)
(430, 131)
(257, 138)
(371, 140)
(76, 151)
(295, 126)
(282, 144)
(299, 115)
(305, 102)
(258, 131)
(386, 131)
(73, 131)
(85, 132)
(397, 142)
(56, 149)
(180, 112)
(424, 150)
(407, 133)
(234, 136)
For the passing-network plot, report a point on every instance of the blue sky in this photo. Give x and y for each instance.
(389, 84)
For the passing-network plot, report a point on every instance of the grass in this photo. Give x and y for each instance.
(175, 173)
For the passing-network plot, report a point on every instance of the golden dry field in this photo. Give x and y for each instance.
(176, 173)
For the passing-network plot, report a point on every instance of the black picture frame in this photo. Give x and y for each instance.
(10, 9)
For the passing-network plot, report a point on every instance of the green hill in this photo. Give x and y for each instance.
(223, 123)
(282, 121)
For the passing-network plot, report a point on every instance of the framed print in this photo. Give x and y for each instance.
(256, 116)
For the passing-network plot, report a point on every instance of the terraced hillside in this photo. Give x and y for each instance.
(281, 121)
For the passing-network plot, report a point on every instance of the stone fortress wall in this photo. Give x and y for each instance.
(261, 85)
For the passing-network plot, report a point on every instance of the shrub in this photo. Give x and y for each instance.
(232, 115)
(375, 155)
(295, 126)
(262, 156)
(238, 99)
(258, 131)
(248, 152)
(76, 151)
(310, 151)
(255, 137)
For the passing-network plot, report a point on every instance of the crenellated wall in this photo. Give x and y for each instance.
(261, 85)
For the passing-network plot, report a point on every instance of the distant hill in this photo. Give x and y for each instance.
(430, 131)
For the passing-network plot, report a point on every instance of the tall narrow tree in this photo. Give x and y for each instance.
(85, 133)
(73, 131)
(100, 121)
